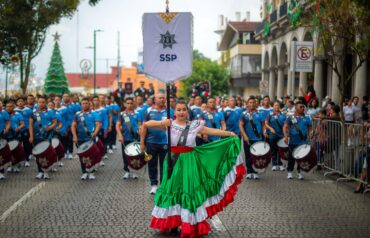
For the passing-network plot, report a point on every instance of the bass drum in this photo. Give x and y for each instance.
(261, 155)
(102, 149)
(17, 152)
(89, 155)
(135, 156)
(5, 154)
(305, 156)
(283, 149)
(58, 147)
(45, 155)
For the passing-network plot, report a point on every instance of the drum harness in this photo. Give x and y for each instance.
(210, 117)
(182, 142)
(82, 118)
(38, 119)
(255, 131)
(127, 121)
(295, 123)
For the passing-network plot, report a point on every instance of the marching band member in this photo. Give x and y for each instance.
(61, 112)
(141, 108)
(266, 108)
(232, 115)
(26, 113)
(4, 129)
(155, 140)
(127, 128)
(213, 119)
(16, 127)
(85, 126)
(275, 123)
(42, 123)
(184, 198)
(104, 117)
(107, 106)
(31, 102)
(297, 129)
(115, 115)
(70, 116)
(250, 125)
(195, 110)
(141, 91)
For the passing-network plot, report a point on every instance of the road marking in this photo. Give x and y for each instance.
(217, 224)
(21, 201)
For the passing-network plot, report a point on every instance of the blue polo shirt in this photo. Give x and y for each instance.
(62, 112)
(70, 112)
(156, 135)
(257, 118)
(104, 117)
(303, 122)
(15, 120)
(117, 109)
(4, 117)
(265, 112)
(42, 119)
(232, 117)
(217, 117)
(141, 110)
(76, 107)
(195, 112)
(86, 120)
(273, 119)
(26, 113)
(133, 118)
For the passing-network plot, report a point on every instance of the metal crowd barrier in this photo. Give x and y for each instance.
(342, 149)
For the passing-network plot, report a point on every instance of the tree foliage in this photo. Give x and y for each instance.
(342, 28)
(204, 69)
(23, 26)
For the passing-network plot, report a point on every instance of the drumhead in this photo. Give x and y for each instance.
(133, 149)
(260, 148)
(55, 142)
(13, 144)
(41, 147)
(3, 143)
(85, 147)
(281, 143)
(301, 151)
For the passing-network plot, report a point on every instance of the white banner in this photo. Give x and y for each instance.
(302, 56)
(168, 45)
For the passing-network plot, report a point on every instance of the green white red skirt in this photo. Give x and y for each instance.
(203, 182)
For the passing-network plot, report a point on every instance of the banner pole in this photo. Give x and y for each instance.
(169, 160)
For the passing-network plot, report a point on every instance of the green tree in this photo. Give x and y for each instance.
(204, 69)
(56, 80)
(23, 26)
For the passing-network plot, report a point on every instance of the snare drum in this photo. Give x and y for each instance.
(5, 154)
(135, 156)
(89, 155)
(261, 154)
(45, 155)
(305, 156)
(58, 147)
(17, 152)
(283, 149)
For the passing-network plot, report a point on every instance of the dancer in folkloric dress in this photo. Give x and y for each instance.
(203, 179)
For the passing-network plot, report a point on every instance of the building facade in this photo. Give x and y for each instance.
(276, 47)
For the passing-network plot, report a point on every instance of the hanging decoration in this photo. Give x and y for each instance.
(266, 20)
(294, 13)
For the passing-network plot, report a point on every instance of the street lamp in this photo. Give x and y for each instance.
(95, 31)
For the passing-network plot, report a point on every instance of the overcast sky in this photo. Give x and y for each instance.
(125, 16)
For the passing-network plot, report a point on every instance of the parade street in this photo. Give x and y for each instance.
(65, 206)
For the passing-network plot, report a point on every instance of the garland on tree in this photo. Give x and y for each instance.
(56, 80)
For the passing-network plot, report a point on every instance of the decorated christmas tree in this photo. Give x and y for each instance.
(56, 80)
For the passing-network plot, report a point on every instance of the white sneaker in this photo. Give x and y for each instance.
(102, 163)
(91, 176)
(126, 175)
(16, 169)
(70, 156)
(2, 176)
(255, 176)
(273, 168)
(10, 169)
(40, 175)
(114, 147)
(290, 175)
(110, 151)
(84, 176)
(60, 164)
(133, 175)
(282, 168)
(153, 190)
(54, 169)
(46, 176)
(249, 176)
(300, 176)
(26, 164)
(105, 156)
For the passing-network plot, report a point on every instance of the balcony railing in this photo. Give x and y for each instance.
(273, 17)
(283, 10)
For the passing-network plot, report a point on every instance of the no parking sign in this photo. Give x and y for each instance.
(302, 56)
